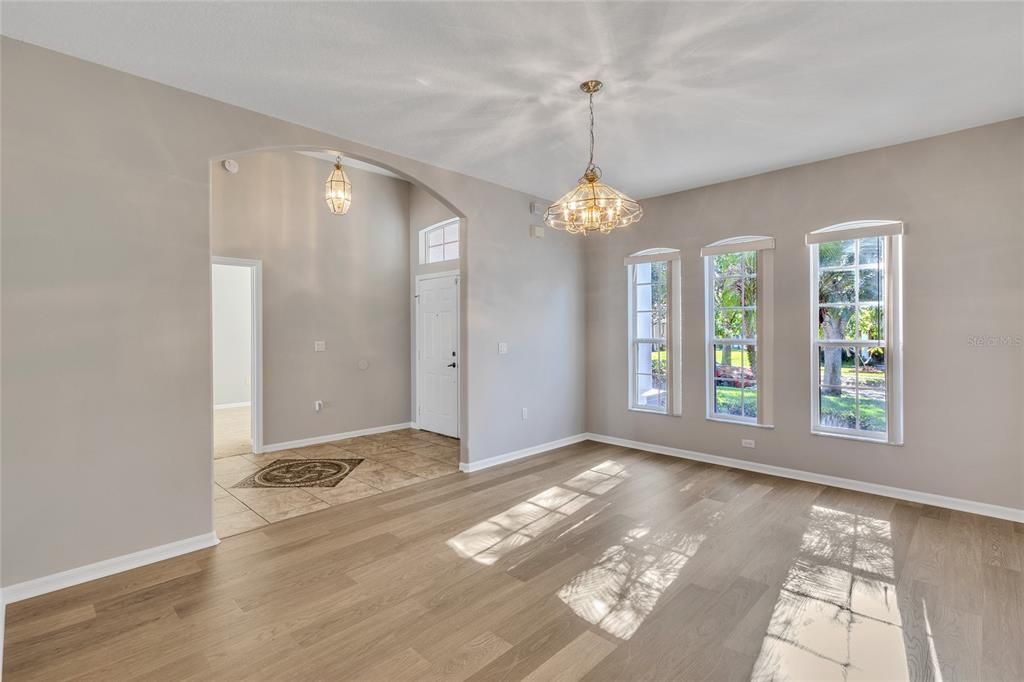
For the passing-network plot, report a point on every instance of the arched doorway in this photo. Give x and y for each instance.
(330, 315)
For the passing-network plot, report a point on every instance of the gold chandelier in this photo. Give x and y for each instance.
(592, 206)
(338, 190)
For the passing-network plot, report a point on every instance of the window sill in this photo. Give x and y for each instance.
(851, 436)
(657, 412)
(738, 422)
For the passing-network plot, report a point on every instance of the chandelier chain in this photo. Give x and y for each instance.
(590, 165)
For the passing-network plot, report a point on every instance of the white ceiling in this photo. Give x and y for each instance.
(695, 92)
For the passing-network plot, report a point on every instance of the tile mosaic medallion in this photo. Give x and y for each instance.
(300, 473)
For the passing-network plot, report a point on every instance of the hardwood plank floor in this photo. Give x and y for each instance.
(590, 562)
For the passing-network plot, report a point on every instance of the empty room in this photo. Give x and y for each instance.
(600, 341)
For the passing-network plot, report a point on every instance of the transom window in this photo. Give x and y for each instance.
(737, 272)
(855, 330)
(440, 242)
(654, 331)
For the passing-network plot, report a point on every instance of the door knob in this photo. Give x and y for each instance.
(451, 364)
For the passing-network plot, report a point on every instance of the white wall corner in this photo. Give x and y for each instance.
(102, 569)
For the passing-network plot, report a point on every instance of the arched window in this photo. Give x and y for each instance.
(856, 330)
(738, 329)
(440, 242)
(655, 331)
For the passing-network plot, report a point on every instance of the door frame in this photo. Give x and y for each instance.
(458, 346)
(256, 368)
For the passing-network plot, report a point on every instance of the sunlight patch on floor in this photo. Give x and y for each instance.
(836, 616)
(621, 589)
(489, 540)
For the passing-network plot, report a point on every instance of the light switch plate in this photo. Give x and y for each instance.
(319, 346)
(502, 348)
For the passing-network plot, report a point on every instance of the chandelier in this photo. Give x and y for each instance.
(338, 190)
(592, 206)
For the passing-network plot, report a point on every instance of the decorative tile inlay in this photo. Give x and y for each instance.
(300, 473)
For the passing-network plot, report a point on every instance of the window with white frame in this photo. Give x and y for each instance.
(856, 330)
(654, 331)
(738, 296)
(440, 242)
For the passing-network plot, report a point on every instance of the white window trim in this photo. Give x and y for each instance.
(892, 231)
(765, 247)
(855, 229)
(674, 332)
(430, 228)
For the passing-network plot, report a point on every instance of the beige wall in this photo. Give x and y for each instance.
(339, 279)
(962, 197)
(106, 350)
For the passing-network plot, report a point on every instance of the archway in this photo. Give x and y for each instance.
(307, 222)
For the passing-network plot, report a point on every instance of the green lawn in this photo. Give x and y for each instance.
(835, 410)
(728, 401)
(839, 411)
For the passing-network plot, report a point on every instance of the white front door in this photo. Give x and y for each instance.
(437, 374)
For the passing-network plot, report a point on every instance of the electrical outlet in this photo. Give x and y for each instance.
(747, 443)
(318, 405)
(525, 414)
(319, 346)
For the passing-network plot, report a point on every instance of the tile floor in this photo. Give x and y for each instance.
(231, 432)
(391, 460)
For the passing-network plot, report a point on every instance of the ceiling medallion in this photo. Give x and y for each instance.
(338, 190)
(592, 206)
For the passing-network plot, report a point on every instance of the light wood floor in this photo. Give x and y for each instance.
(591, 562)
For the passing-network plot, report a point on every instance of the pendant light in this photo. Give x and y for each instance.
(592, 206)
(338, 190)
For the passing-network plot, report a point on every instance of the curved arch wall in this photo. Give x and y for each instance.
(106, 308)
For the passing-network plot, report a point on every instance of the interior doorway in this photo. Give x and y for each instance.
(437, 353)
(237, 338)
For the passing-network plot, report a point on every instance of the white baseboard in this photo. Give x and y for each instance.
(982, 508)
(228, 406)
(101, 569)
(317, 440)
(520, 454)
(959, 504)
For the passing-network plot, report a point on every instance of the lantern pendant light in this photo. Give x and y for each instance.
(592, 206)
(338, 190)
